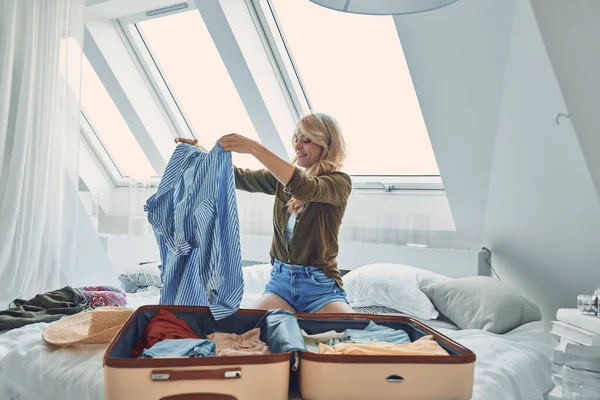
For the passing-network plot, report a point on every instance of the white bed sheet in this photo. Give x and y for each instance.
(516, 365)
(511, 366)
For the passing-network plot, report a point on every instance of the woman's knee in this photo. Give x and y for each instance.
(270, 301)
(336, 307)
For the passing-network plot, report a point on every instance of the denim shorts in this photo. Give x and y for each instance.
(306, 289)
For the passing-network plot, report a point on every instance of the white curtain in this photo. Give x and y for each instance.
(40, 75)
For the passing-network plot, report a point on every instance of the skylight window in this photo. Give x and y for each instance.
(197, 78)
(110, 127)
(353, 67)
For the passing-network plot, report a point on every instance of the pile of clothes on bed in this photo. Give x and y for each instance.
(56, 304)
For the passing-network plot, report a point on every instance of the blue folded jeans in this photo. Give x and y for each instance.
(181, 348)
(378, 333)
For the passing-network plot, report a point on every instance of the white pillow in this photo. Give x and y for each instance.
(394, 286)
(256, 278)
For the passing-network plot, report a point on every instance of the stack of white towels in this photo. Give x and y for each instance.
(576, 359)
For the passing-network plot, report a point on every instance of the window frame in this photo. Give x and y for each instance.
(288, 69)
(136, 42)
(100, 149)
(110, 169)
(390, 183)
(284, 67)
(103, 70)
(283, 59)
(158, 82)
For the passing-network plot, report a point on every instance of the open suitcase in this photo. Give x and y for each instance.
(317, 376)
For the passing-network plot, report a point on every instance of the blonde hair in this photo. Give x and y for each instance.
(323, 130)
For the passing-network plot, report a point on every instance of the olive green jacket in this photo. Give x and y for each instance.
(315, 239)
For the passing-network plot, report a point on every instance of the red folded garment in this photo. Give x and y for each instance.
(164, 325)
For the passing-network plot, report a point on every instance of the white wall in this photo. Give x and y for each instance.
(489, 94)
(457, 57)
(374, 225)
(113, 224)
(371, 217)
(90, 172)
(114, 218)
(127, 252)
(571, 33)
(450, 262)
(543, 216)
(92, 266)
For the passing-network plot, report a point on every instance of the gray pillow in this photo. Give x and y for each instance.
(479, 302)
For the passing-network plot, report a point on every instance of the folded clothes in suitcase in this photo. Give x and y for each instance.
(383, 377)
(239, 377)
(267, 376)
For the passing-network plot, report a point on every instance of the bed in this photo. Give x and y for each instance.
(514, 365)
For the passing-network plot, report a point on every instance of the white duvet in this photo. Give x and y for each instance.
(511, 366)
(516, 365)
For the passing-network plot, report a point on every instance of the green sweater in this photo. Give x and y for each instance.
(44, 307)
(315, 239)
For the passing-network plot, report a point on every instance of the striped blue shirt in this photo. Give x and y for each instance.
(195, 221)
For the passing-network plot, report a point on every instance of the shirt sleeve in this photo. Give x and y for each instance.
(332, 188)
(257, 181)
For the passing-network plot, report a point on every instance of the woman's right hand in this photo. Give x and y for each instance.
(193, 142)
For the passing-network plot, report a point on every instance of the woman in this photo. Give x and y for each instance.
(310, 200)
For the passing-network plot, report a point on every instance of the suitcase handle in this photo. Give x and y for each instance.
(395, 379)
(192, 375)
(200, 396)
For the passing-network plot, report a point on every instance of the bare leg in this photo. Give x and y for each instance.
(335, 308)
(270, 301)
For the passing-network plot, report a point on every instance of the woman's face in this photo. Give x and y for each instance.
(308, 153)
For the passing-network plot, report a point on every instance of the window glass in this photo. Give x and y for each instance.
(110, 127)
(352, 67)
(193, 70)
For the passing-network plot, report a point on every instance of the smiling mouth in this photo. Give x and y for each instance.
(301, 155)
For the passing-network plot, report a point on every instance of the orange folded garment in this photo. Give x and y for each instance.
(164, 325)
(230, 344)
(424, 346)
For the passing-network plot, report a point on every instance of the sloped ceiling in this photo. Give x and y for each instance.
(490, 77)
(543, 215)
(571, 33)
(457, 58)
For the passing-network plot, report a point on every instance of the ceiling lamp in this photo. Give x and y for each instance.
(383, 7)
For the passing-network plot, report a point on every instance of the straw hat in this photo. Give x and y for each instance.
(92, 327)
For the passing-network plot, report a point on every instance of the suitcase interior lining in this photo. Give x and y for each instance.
(204, 324)
(313, 327)
(280, 329)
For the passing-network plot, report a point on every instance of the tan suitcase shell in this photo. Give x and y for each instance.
(350, 377)
(320, 377)
(198, 378)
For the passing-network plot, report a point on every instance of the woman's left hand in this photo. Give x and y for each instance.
(238, 143)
